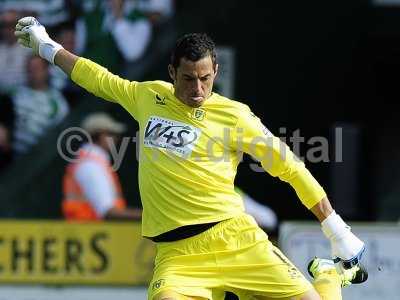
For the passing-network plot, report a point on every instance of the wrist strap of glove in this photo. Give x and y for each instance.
(334, 226)
(48, 50)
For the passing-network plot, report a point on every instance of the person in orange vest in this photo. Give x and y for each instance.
(91, 188)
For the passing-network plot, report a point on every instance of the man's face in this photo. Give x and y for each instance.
(38, 72)
(193, 81)
(7, 26)
(109, 140)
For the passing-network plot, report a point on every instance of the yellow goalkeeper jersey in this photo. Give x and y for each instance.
(189, 156)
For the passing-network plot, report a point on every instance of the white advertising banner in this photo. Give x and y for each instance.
(301, 241)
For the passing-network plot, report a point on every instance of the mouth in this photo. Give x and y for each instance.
(196, 98)
(195, 101)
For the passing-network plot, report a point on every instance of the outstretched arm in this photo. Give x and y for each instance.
(346, 248)
(279, 161)
(66, 61)
(89, 75)
(32, 34)
(322, 209)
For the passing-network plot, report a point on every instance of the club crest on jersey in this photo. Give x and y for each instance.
(177, 137)
(159, 283)
(198, 114)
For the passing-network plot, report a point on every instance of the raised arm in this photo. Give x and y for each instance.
(89, 75)
(66, 61)
(32, 34)
(322, 209)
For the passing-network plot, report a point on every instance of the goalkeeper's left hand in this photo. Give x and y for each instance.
(32, 34)
(346, 248)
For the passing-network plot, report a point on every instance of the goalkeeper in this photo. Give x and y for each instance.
(192, 140)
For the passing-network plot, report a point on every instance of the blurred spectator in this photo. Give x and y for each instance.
(5, 147)
(51, 13)
(37, 106)
(58, 79)
(113, 31)
(157, 11)
(92, 190)
(6, 123)
(13, 57)
(265, 216)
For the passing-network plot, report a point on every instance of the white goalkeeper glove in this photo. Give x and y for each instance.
(346, 248)
(32, 34)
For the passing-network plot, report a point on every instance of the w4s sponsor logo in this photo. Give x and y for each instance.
(170, 134)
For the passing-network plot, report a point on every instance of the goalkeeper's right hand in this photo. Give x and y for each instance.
(32, 34)
(346, 248)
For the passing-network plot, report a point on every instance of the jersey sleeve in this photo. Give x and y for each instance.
(253, 138)
(102, 83)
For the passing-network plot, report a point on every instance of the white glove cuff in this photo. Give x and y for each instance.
(334, 226)
(48, 50)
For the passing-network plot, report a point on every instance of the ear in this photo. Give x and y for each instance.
(172, 72)
(216, 70)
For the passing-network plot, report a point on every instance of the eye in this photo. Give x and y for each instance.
(205, 78)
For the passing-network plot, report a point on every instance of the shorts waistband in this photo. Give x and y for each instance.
(183, 232)
(215, 230)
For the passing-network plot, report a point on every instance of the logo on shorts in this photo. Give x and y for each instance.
(179, 138)
(292, 271)
(159, 283)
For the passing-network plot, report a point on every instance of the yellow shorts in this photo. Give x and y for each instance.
(234, 255)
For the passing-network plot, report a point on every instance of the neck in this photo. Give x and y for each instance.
(39, 86)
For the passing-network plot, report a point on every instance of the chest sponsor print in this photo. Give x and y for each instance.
(177, 137)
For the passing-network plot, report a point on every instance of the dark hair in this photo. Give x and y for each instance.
(193, 46)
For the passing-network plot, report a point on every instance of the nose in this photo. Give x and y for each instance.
(198, 87)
